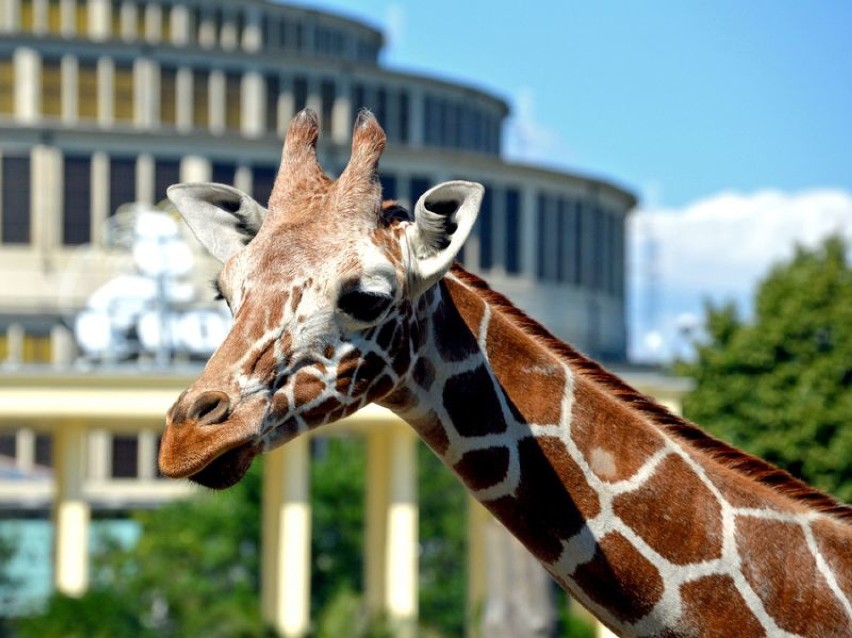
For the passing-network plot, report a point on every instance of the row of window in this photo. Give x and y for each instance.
(577, 242)
(73, 87)
(203, 25)
(123, 453)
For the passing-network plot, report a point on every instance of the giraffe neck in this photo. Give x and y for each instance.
(642, 524)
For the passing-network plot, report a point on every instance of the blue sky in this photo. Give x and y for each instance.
(685, 103)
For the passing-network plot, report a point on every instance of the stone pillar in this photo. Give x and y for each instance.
(153, 22)
(253, 95)
(15, 336)
(106, 91)
(286, 539)
(253, 31)
(46, 197)
(27, 85)
(217, 101)
(69, 17)
(145, 179)
(100, 195)
(194, 168)
(100, 19)
(417, 117)
(62, 348)
(70, 79)
(180, 25)
(184, 97)
(147, 455)
(376, 514)
(71, 513)
(341, 113)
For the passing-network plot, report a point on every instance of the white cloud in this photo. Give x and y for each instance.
(718, 248)
(395, 25)
(527, 139)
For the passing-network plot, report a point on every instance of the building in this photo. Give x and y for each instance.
(106, 102)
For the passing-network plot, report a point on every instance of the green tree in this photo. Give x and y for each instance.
(780, 385)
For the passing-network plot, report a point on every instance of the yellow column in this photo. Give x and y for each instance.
(286, 539)
(401, 568)
(71, 513)
(477, 517)
(391, 543)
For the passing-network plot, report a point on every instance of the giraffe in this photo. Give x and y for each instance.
(340, 299)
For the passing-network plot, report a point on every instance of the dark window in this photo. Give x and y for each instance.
(166, 173)
(263, 179)
(16, 200)
(77, 201)
(222, 172)
(168, 95)
(273, 89)
(485, 224)
(7, 86)
(566, 240)
(125, 456)
(513, 231)
(300, 93)
(404, 106)
(233, 101)
(541, 250)
(201, 98)
(328, 93)
(87, 90)
(44, 450)
(123, 97)
(51, 88)
(579, 212)
(122, 182)
(9, 444)
(562, 249)
(417, 187)
(380, 108)
(388, 186)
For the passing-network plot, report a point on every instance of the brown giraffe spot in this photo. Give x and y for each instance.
(742, 492)
(471, 401)
(381, 387)
(782, 571)
(835, 545)
(322, 411)
(674, 513)
(424, 373)
(532, 378)
(386, 334)
(552, 500)
(620, 579)
(483, 468)
(280, 405)
(307, 388)
(371, 366)
(263, 365)
(346, 370)
(296, 299)
(604, 428)
(714, 608)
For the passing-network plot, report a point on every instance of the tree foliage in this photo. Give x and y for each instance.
(780, 384)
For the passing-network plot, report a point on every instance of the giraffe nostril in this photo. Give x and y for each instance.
(210, 407)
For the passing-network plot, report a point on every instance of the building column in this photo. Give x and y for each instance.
(194, 168)
(46, 197)
(100, 195)
(71, 513)
(391, 561)
(252, 40)
(286, 539)
(100, 19)
(180, 25)
(341, 112)
(27, 84)
(416, 117)
(185, 98)
(145, 179)
(216, 88)
(253, 107)
(106, 91)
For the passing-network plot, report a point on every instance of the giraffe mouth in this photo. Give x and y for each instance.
(226, 470)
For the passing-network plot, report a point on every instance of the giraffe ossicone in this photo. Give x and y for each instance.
(340, 299)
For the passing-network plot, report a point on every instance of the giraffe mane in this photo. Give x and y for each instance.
(755, 468)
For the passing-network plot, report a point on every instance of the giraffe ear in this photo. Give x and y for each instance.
(223, 218)
(443, 218)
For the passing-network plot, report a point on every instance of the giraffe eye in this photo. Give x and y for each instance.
(364, 306)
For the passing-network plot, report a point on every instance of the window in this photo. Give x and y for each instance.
(122, 182)
(87, 90)
(165, 23)
(7, 86)
(44, 450)
(54, 17)
(166, 173)
(263, 179)
(404, 106)
(27, 18)
(541, 236)
(513, 231)
(77, 201)
(81, 18)
(566, 241)
(223, 172)
(417, 186)
(273, 90)
(300, 93)
(9, 444)
(51, 88)
(168, 95)
(328, 93)
(388, 186)
(486, 231)
(579, 224)
(16, 200)
(125, 456)
(116, 19)
(201, 98)
(233, 107)
(123, 95)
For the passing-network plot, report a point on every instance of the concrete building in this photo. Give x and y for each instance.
(105, 102)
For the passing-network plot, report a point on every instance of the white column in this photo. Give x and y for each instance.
(146, 92)
(229, 36)
(39, 9)
(106, 90)
(27, 84)
(180, 25)
(68, 20)
(153, 22)
(286, 103)
(100, 458)
(341, 113)
(253, 95)
(100, 19)
(184, 96)
(217, 100)
(377, 499)
(253, 33)
(46, 197)
(416, 117)
(100, 194)
(194, 168)
(147, 455)
(145, 179)
(26, 443)
(286, 539)
(71, 513)
(70, 79)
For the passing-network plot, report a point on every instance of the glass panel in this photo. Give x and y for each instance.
(51, 88)
(263, 178)
(300, 93)
(116, 19)
(54, 17)
(125, 456)
(166, 24)
(87, 90)
(81, 16)
(8, 444)
(233, 108)
(166, 173)
(201, 99)
(168, 96)
(122, 182)
(7, 86)
(513, 231)
(484, 224)
(328, 93)
(273, 89)
(44, 450)
(77, 201)
(27, 18)
(123, 96)
(16, 200)
(222, 172)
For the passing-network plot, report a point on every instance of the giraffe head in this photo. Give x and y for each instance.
(322, 288)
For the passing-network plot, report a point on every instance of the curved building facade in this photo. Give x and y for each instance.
(104, 102)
